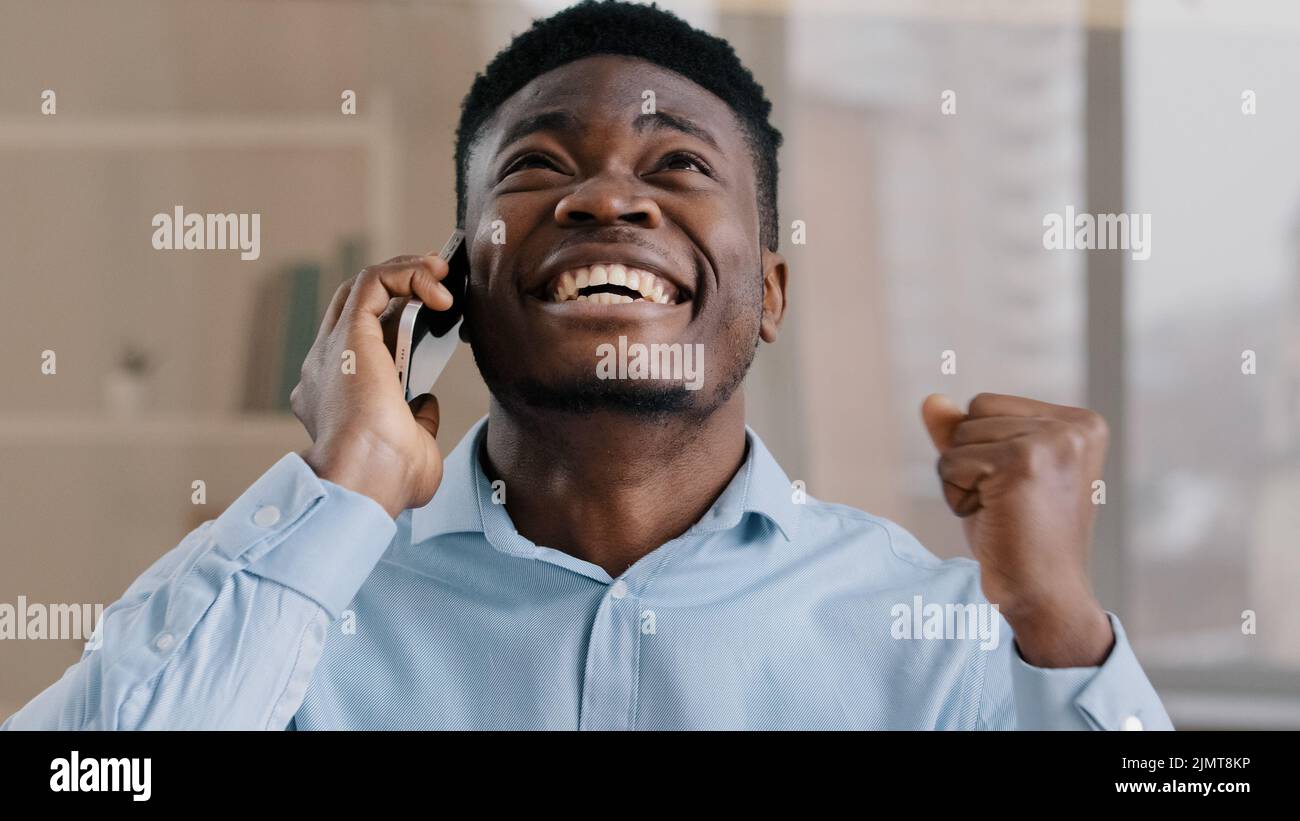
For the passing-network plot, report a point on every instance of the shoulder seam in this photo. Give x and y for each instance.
(847, 512)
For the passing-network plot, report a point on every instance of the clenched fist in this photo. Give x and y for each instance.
(1020, 473)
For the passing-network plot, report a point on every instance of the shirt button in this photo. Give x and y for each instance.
(266, 516)
(1132, 723)
(619, 589)
(164, 641)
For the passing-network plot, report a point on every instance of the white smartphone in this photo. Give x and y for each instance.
(426, 339)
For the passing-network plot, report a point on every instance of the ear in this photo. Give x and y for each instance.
(774, 294)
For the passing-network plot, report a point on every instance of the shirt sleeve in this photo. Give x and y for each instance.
(1113, 696)
(225, 630)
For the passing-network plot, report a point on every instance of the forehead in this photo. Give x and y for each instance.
(609, 90)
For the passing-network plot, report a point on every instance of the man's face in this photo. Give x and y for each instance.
(572, 182)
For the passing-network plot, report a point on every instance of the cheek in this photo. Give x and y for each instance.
(497, 235)
(739, 270)
(728, 229)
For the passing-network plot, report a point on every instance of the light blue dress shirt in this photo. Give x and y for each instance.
(305, 606)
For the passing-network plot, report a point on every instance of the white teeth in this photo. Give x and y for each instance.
(651, 288)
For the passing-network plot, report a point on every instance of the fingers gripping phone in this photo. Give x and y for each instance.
(426, 338)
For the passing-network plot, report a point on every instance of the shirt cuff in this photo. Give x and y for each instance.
(306, 533)
(1114, 696)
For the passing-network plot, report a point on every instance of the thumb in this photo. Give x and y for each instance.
(427, 415)
(941, 417)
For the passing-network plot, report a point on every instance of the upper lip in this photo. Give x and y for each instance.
(573, 257)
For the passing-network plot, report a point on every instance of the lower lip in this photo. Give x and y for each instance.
(639, 310)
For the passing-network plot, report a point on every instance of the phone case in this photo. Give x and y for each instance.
(427, 338)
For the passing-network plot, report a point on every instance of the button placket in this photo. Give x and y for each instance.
(610, 676)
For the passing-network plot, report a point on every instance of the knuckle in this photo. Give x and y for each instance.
(1096, 426)
(368, 275)
(353, 322)
(960, 434)
(1027, 454)
(1073, 442)
(425, 280)
(943, 465)
(979, 402)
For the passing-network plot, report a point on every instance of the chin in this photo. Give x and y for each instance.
(587, 396)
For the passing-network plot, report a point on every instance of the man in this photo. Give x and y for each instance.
(611, 552)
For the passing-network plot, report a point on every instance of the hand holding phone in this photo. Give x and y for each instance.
(365, 437)
(426, 338)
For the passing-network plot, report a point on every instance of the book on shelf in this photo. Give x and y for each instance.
(289, 305)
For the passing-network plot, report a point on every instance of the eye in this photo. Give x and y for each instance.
(527, 161)
(685, 161)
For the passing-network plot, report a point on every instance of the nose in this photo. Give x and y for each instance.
(607, 201)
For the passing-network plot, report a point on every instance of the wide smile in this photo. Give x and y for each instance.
(612, 284)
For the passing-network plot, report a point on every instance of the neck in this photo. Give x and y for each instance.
(608, 487)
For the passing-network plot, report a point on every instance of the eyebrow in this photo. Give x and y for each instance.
(558, 120)
(664, 120)
(563, 122)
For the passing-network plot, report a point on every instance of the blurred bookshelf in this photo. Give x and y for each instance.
(298, 283)
(374, 132)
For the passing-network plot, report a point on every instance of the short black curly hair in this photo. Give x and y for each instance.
(634, 30)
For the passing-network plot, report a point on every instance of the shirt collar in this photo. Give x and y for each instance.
(760, 486)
